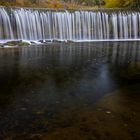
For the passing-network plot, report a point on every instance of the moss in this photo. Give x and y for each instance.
(17, 43)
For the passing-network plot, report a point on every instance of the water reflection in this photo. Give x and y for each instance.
(66, 53)
(61, 78)
(74, 67)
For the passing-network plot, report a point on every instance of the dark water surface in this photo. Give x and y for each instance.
(73, 91)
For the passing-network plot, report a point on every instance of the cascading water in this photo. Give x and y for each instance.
(62, 25)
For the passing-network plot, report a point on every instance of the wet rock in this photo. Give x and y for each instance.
(108, 112)
(132, 72)
(57, 102)
(57, 41)
(1, 45)
(17, 43)
(100, 109)
(42, 41)
(23, 109)
(70, 41)
(35, 42)
(27, 100)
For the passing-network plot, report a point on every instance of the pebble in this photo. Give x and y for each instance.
(99, 109)
(23, 109)
(27, 100)
(125, 125)
(108, 112)
(57, 102)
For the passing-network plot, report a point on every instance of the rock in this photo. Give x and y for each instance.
(35, 42)
(42, 41)
(108, 112)
(132, 72)
(7, 46)
(100, 109)
(48, 41)
(70, 41)
(27, 100)
(23, 109)
(1, 45)
(57, 102)
(17, 43)
(57, 41)
(26, 41)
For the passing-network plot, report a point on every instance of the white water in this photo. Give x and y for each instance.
(69, 25)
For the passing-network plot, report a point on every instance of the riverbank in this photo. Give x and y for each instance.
(114, 116)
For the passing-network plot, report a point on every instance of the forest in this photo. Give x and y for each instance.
(73, 3)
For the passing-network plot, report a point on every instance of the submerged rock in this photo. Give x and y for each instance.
(132, 72)
(108, 112)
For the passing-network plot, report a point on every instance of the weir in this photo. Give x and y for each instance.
(64, 25)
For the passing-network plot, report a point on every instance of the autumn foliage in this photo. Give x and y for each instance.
(72, 3)
(121, 3)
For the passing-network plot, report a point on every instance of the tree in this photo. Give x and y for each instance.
(122, 3)
(99, 3)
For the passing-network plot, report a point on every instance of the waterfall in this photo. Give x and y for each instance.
(31, 24)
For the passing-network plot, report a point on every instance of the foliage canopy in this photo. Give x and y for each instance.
(73, 3)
